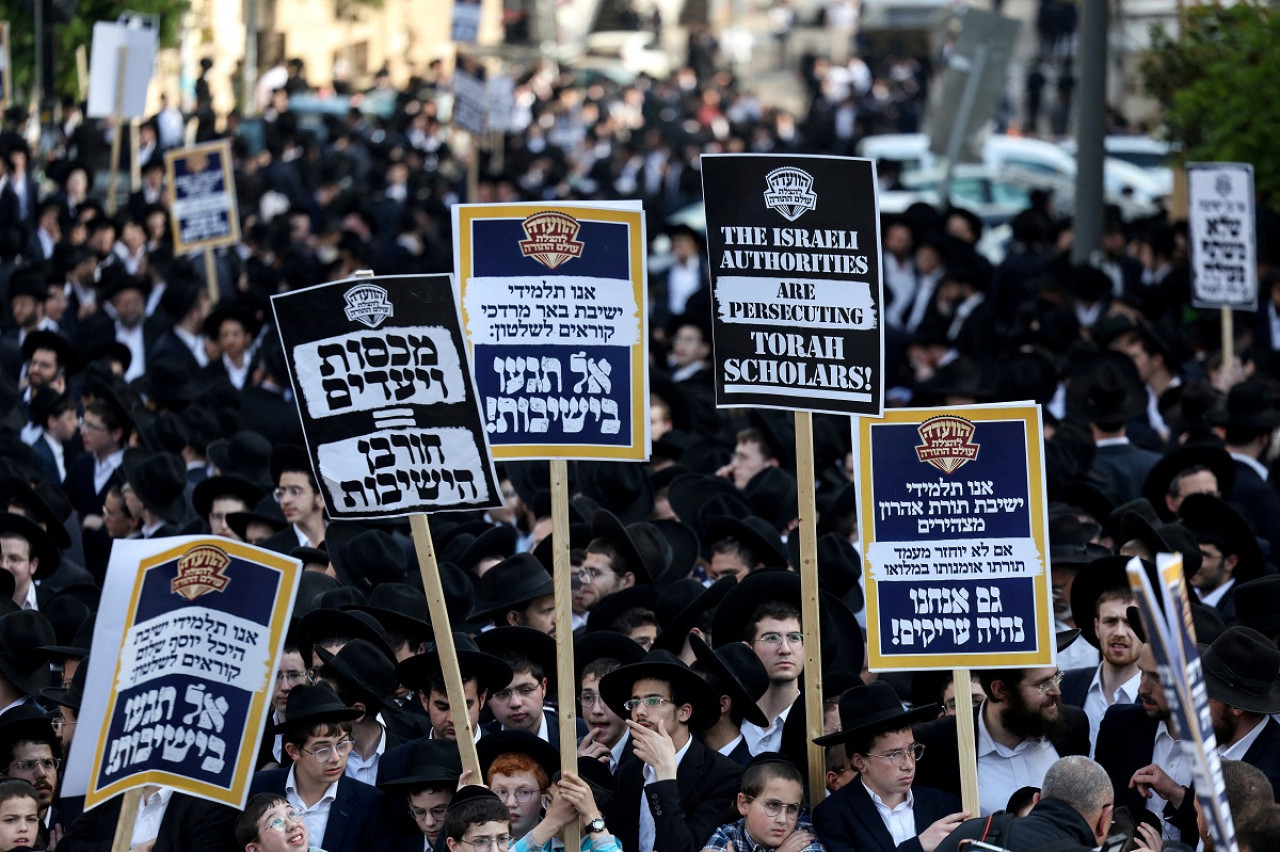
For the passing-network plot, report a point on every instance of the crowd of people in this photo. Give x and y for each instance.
(135, 406)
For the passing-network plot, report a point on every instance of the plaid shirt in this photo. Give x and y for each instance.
(736, 833)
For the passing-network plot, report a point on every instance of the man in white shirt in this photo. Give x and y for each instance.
(363, 678)
(482, 674)
(520, 704)
(29, 554)
(734, 672)
(1231, 554)
(300, 500)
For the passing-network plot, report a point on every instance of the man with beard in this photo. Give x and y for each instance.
(1022, 729)
(1242, 679)
(1102, 589)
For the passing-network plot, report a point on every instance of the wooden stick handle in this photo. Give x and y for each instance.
(117, 119)
(566, 688)
(809, 614)
(967, 741)
(128, 816)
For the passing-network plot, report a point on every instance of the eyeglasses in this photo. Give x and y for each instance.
(293, 677)
(915, 750)
(590, 575)
(589, 699)
(58, 723)
(437, 813)
(776, 639)
(294, 491)
(28, 767)
(775, 809)
(281, 822)
(90, 426)
(484, 844)
(322, 754)
(648, 701)
(1049, 683)
(523, 691)
(522, 795)
(950, 703)
(842, 770)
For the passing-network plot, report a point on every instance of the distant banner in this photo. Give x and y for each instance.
(386, 397)
(182, 668)
(1224, 267)
(202, 184)
(465, 26)
(554, 299)
(794, 250)
(953, 521)
(470, 96)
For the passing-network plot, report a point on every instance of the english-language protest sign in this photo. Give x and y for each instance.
(384, 389)
(182, 668)
(1224, 269)
(202, 186)
(953, 523)
(1166, 616)
(794, 254)
(554, 298)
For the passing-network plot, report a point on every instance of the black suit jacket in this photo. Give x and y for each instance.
(940, 768)
(169, 347)
(1126, 743)
(686, 811)
(847, 820)
(355, 817)
(1123, 469)
(1265, 754)
(1075, 685)
(1260, 502)
(189, 825)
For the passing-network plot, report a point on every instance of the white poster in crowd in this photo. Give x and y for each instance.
(139, 55)
(1224, 266)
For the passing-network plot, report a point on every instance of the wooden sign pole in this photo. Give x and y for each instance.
(473, 169)
(966, 739)
(211, 275)
(1228, 340)
(128, 816)
(566, 689)
(809, 605)
(117, 119)
(135, 167)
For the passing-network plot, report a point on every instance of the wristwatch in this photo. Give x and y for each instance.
(596, 826)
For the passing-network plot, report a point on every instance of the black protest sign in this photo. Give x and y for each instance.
(794, 249)
(386, 395)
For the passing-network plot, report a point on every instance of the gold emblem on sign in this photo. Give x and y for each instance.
(201, 570)
(946, 442)
(552, 238)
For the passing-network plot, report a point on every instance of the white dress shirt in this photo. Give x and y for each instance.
(760, 740)
(1004, 770)
(150, 812)
(103, 468)
(1167, 754)
(1096, 702)
(900, 820)
(363, 769)
(1238, 749)
(648, 829)
(316, 817)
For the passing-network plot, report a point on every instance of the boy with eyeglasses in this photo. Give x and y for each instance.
(477, 821)
(300, 500)
(270, 824)
(770, 801)
(343, 812)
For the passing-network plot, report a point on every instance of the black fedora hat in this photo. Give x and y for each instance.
(655, 550)
(579, 538)
(1165, 538)
(159, 480)
(1213, 521)
(308, 555)
(1092, 581)
(605, 614)
(25, 722)
(459, 595)
(236, 312)
(22, 634)
(507, 643)
(615, 687)
(491, 673)
(419, 763)
(839, 568)
(72, 622)
(495, 745)
(310, 705)
(1107, 389)
(741, 674)
(326, 621)
(311, 585)
(1258, 604)
(622, 488)
(756, 534)
(267, 511)
(42, 545)
(168, 383)
(606, 525)
(601, 645)
(399, 608)
(1242, 669)
(696, 497)
(772, 494)
(219, 487)
(289, 457)
(497, 540)
(246, 454)
(685, 549)
(366, 559)
(873, 708)
(54, 342)
(70, 696)
(1250, 405)
(511, 584)
(364, 670)
(35, 506)
(1214, 457)
(680, 606)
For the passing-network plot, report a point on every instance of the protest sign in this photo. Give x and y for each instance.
(120, 66)
(465, 24)
(1224, 269)
(182, 668)
(794, 252)
(1166, 618)
(554, 299)
(470, 97)
(953, 524)
(202, 186)
(385, 394)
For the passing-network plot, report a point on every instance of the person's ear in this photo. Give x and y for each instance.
(1102, 825)
(725, 703)
(1035, 798)
(628, 580)
(742, 804)
(684, 713)
(513, 618)
(293, 751)
(364, 711)
(857, 763)
(999, 692)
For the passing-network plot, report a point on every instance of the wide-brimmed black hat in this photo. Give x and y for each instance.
(236, 312)
(615, 687)
(605, 614)
(70, 696)
(365, 669)
(219, 487)
(54, 342)
(36, 507)
(22, 634)
(534, 645)
(654, 549)
(495, 745)
(1212, 520)
(1242, 669)
(325, 620)
(267, 511)
(168, 382)
(25, 722)
(246, 455)
(1258, 604)
(511, 584)
(1091, 582)
(398, 607)
(1213, 457)
(606, 525)
(756, 534)
(491, 673)
(72, 622)
(695, 498)
(114, 280)
(741, 674)
(1165, 538)
(466, 549)
(579, 538)
(680, 605)
(873, 708)
(601, 645)
(1250, 405)
(288, 457)
(622, 488)
(772, 494)
(42, 544)
(685, 549)
(308, 555)
(421, 762)
(159, 480)
(310, 705)
(363, 557)
(839, 568)
(311, 586)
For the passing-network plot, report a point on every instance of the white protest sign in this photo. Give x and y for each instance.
(1224, 268)
(139, 44)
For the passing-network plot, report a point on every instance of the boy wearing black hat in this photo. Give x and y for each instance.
(29, 554)
(424, 774)
(520, 704)
(477, 821)
(482, 674)
(881, 810)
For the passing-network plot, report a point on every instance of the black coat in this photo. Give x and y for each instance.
(1123, 468)
(686, 811)
(355, 817)
(847, 820)
(1052, 826)
(1075, 685)
(1260, 502)
(1126, 743)
(189, 825)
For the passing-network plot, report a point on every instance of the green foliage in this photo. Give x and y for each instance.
(68, 35)
(1215, 84)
